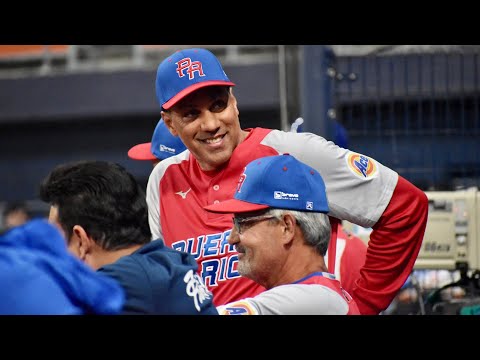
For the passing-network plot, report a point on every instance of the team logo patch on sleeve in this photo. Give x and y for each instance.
(361, 165)
(241, 307)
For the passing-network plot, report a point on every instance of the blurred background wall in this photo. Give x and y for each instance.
(414, 108)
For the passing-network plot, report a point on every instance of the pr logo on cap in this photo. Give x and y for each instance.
(186, 65)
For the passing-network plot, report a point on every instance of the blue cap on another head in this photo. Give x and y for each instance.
(186, 71)
(162, 146)
(279, 181)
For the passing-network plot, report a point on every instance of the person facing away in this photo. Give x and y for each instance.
(162, 146)
(198, 105)
(38, 276)
(281, 233)
(102, 211)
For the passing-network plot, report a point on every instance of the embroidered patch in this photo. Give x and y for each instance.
(241, 307)
(361, 165)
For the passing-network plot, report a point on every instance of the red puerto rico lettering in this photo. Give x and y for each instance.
(217, 259)
(187, 66)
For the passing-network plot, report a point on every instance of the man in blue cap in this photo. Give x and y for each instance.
(282, 232)
(198, 104)
(162, 146)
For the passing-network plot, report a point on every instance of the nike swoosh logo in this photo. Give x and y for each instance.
(183, 194)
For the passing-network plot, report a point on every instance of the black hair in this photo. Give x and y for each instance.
(102, 197)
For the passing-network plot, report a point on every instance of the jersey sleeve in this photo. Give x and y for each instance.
(367, 193)
(358, 187)
(241, 307)
(392, 249)
(153, 201)
(291, 299)
(153, 193)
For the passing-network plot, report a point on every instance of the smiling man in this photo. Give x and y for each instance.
(198, 104)
(281, 232)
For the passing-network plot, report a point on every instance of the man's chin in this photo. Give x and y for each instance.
(215, 161)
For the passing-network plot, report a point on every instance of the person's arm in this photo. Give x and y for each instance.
(392, 249)
(365, 192)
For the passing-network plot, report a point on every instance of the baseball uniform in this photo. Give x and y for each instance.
(359, 189)
(317, 294)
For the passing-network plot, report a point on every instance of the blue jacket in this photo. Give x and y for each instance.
(160, 280)
(39, 277)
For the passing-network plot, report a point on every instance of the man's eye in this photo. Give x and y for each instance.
(219, 105)
(190, 115)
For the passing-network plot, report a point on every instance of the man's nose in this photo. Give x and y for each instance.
(210, 122)
(234, 237)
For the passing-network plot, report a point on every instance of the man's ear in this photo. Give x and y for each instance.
(167, 119)
(234, 101)
(81, 242)
(290, 227)
(290, 222)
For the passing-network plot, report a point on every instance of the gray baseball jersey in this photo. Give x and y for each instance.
(317, 294)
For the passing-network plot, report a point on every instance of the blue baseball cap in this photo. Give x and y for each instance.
(279, 181)
(162, 146)
(186, 71)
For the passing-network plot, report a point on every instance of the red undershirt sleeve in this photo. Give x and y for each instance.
(392, 249)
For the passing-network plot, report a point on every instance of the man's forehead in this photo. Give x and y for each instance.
(209, 92)
(252, 213)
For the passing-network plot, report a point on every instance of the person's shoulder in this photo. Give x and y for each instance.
(168, 168)
(166, 165)
(126, 266)
(169, 258)
(155, 260)
(152, 254)
(300, 299)
(157, 249)
(300, 145)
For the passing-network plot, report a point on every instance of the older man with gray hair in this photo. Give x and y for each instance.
(281, 233)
